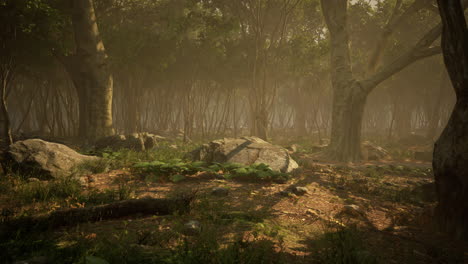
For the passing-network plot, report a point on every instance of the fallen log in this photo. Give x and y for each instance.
(73, 216)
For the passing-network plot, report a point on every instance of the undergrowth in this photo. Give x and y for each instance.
(177, 169)
(344, 246)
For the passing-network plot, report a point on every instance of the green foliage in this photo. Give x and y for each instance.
(176, 169)
(56, 190)
(125, 158)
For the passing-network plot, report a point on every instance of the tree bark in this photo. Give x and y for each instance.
(451, 149)
(5, 123)
(89, 70)
(347, 115)
(350, 95)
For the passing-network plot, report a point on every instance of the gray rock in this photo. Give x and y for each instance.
(136, 141)
(293, 148)
(300, 190)
(246, 151)
(373, 152)
(44, 159)
(220, 192)
(353, 210)
(32, 179)
(192, 228)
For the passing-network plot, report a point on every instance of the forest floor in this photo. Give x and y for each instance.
(377, 212)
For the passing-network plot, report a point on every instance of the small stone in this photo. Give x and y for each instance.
(312, 213)
(300, 190)
(192, 228)
(293, 148)
(352, 210)
(83, 181)
(220, 192)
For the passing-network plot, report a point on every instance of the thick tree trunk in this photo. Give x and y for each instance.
(451, 172)
(90, 73)
(348, 97)
(349, 94)
(451, 150)
(348, 112)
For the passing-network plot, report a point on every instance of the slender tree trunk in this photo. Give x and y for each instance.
(434, 117)
(451, 149)
(403, 122)
(5, 123)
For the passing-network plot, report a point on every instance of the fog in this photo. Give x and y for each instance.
(245, 131)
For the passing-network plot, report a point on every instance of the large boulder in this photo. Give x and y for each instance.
(135, 141)
(39, 158)
(247, 151)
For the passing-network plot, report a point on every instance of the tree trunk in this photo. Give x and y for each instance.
(5, 123)
(348, 112)
(348, 98)
(434, 117)
(349, 94)
(262, 123)
(403, 122)
(451, 149)
(132, 92)
(90, 73)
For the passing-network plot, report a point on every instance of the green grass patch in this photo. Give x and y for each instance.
(176, 169)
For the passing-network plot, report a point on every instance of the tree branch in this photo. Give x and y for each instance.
(421, 50)
(393, 23)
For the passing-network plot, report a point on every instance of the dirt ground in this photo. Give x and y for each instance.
(394, 222)
(390, 204)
